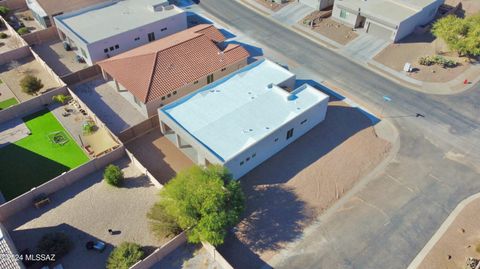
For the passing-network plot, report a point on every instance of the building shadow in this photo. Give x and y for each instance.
(177, 258)
(195, 19)
(51, 57)
(427, 37)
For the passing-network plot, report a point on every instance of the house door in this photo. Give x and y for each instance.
(209, 78)
(151, 37)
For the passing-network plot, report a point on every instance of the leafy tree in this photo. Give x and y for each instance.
(124, 256)
(205, 201)
(56, 243)
(30, 84)
(461, 35)
(4, 10)
(162, 224)
(61, 98)
(113, 175)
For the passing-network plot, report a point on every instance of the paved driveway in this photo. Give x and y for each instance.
(114, 110)
(364, 47)
(292, 13)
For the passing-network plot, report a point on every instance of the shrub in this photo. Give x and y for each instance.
(30, 84)
(4, 10)
(3, 35)
(56, 243)
(437, 59)
(61, 98)
(113, 175)
(161, 223)
(23, 30)
(124, 256)
(89, 127)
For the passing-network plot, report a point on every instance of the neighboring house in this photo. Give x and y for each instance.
(163, 71)
(318, 4)
(44, 10)
(105, 30)
(7, 249)
(386, 19)
(244, 118)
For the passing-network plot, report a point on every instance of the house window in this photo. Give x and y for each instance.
(111, 48)
(343, 13)
(151, 36)
(105, 50)
(163, 97)
(137, 38)
(303, 121)
(289, 133)
(248, 159)
(169, 95)
(210, 78)
(241, 163)
(223, 69)
(174, 92)
(195, 82)
(117, 46)
(276, 139)
(163, 29)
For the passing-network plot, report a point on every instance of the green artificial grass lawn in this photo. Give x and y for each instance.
(8, 103)
(34, 160)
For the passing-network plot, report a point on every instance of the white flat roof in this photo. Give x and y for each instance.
(235, 112)
(109, 19)
(393, 11)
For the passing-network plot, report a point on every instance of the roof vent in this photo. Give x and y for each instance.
(270, 85)
(159, 7)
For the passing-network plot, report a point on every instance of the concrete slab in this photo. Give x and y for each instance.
(364, 47)
(61, 61)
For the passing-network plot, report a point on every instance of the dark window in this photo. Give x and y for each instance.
(276, 139)
(303, 121)
(223, 69)
(105, 50)
(163, 29)
(163, 97)
(151, 36)
(289, 133)
(248, 159)
(254, 154)
(241, 163)
(168, 95)
(195, 82)
(175, 92)
(137, 38)
(117, 46)
(111, 48)
(210, 78)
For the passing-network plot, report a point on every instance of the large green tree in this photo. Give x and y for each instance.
(204, 201)
(461, 35)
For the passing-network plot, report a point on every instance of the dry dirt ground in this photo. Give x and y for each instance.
(11, 74)
(469, 7)
(273, 6)
(331, 29)
(459, 241)
(410, 49)
(291, 189)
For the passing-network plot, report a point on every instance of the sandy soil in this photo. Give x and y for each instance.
(273, 6)
(288, 191)
(331, 29)
(410, 49)
(470, 7)
(459, 241)
(28, 65)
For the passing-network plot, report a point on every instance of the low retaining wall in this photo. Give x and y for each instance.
(41, 36)
(144, 170)
(161, 252)
(14, 54)
(26, 200)
(30, 106)
(82, 75)
(139, 129)
(216, 256)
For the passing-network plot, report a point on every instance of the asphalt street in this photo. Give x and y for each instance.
(386, 223)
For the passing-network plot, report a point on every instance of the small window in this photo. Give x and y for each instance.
(248, 159)
(174, 92)
(111, 48)
(137, 38)
(163, 29)
(117, 46)
(254, 154)
(343, 13)
(163, 97)
(105, 50)
(289, 133)
(223, 69)
(195, 82)
(303, 121)
(276, 139)
(169, 95)
(241, 163)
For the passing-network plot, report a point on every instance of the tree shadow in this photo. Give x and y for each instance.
(274, 217)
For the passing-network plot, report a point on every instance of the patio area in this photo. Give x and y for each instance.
(85, 211)
(13, 72)
(27, 19)
(114, 110)
(10, 42)
(61, 61)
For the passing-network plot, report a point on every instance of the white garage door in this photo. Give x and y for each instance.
(379, 31)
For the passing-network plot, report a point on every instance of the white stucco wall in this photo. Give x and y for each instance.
(423, 17)
(349, 20)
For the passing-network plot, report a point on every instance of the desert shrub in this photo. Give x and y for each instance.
(437, 59)
(3, 35)
(89, 127)
(113, 175)
(56, 243)
(23, 30)
(4, 10)
(124, 256)
(30, 84)
(61, 98)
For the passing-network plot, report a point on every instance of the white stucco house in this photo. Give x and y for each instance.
(104, 30)
(318, 4)
(244, 118)
(386, 19)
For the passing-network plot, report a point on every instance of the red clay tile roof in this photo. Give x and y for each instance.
(161, 67)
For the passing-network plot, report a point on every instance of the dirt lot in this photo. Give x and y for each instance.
(273, 6)
(331, 29)
(288, 191)
(459, 241)
(12, 73)
(410, 49)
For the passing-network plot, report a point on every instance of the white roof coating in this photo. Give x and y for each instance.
(109, 19)
(235, 112)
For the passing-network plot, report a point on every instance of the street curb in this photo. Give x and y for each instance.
(391, 78)
(439, 233)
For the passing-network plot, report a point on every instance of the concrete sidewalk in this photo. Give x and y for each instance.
(292, 13)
